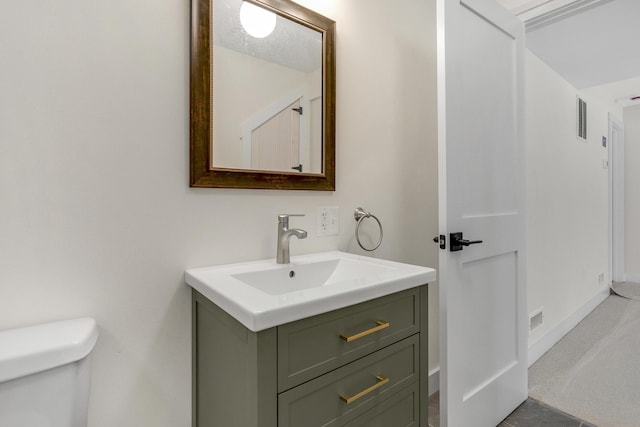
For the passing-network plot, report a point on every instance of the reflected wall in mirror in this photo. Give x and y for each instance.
(262, 104)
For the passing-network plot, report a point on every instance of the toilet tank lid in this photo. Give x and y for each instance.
(32, 349)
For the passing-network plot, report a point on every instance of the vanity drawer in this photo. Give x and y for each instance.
(311, 347)
(401, 410)
(341, 396)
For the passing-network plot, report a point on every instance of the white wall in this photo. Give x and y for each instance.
(96, 215)
(632, 193)
(567, 198)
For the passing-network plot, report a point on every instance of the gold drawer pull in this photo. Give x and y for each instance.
(382, 324)
(382, 380)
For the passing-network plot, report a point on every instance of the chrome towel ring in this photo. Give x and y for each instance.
(360, 215)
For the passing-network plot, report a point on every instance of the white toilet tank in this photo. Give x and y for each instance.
(44, 374)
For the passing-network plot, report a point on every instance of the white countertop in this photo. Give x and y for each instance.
(263, 294)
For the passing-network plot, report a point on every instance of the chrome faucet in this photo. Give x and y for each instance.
(284, 233)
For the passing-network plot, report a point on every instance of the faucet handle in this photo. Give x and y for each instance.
(285, 217)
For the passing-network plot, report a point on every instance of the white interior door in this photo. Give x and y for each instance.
(275, 144)
(483, 325)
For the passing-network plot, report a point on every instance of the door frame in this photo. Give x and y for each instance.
(615, 150)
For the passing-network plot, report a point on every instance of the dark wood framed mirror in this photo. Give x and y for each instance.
(262, 107)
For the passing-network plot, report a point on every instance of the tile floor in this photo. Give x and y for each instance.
(530, 414)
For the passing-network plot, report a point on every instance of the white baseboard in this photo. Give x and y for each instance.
(434, 381)
(544, 344)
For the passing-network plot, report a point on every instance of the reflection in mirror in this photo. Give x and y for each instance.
(267, 91)
(270, 117)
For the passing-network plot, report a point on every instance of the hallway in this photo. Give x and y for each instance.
(593, 372)
(590, 377)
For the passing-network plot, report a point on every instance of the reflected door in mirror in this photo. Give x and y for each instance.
(275, 145)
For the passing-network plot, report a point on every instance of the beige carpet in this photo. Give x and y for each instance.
(593, 373)
(627, 290)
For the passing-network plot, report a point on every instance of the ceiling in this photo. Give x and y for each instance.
(588, 42)
(291, 45)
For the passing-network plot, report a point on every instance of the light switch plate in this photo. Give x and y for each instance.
(328, 221)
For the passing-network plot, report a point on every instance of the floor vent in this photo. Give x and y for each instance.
(536, 319)
(581, 119)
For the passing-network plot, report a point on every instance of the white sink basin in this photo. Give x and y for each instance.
(264, 294)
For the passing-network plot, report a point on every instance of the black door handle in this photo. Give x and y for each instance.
(464, 242)
(456, 242)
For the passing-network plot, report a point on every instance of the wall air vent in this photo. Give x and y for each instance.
(581, 119)
(535, 319)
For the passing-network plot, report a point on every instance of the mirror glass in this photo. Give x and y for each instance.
(267, 91)
(269, 121)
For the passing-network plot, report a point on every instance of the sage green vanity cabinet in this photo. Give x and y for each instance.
(363, 365)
